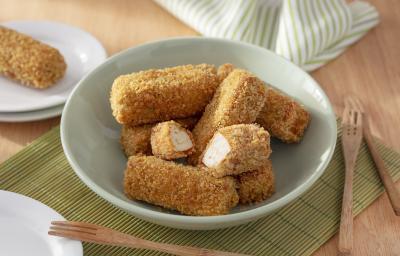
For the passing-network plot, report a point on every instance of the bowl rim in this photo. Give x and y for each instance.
(183, 219)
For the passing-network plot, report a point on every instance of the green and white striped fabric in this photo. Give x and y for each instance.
(307, 32)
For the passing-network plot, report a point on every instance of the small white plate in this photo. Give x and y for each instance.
(24, 225)
(32, 115)
(82, 52)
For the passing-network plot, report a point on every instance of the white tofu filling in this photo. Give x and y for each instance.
(180, 139)
(216, 151)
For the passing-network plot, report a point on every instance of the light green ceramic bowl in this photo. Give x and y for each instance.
(90, 135)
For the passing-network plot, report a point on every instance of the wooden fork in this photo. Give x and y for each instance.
(393, 193)
(101, 235)
(351, 141)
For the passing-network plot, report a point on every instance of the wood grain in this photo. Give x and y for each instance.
(369, 69)
(391, 190)
(92, 233)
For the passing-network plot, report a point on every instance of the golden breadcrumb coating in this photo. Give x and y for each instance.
(163, 94)
(136, 139)
(238, 100)
(256, 186)
(168, 144)
(224, 70)
(249, 149)
(29, 61)
(184, 188)
(283, 117)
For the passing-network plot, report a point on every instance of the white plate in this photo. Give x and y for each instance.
(24, 225)
(32, 115)
(81, 51)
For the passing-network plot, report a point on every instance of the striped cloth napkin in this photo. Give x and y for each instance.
(307, 32)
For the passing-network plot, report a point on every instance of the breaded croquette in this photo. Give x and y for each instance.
(29, 61)
(224, 70)
(136, 139)
(184, 188)
(236, 149)
(163, 94)
(238, 100)
(169, 140)
(283, 117)
(256, 186)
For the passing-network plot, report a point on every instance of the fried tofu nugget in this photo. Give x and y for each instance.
(283, 117)
(236, 149)
(169, 140)
(163, 94)
(29, 61)
(184, 188)
(238, 100)
(136, 139)
(256, 186)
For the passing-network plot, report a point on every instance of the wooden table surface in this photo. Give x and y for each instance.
(370, 69)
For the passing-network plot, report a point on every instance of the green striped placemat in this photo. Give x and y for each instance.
(42, 172)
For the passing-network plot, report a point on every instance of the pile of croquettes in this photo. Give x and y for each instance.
(197, 137)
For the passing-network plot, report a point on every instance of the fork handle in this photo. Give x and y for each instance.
(133, 242)
(393, 193)
(346, 220)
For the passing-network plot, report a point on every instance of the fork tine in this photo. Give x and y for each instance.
(355, 110)
(73, 235)
(75, 229)
(358, 118)
(75, 224)
(346, 113)
(351, 103)
(359, 105)
(347, 102)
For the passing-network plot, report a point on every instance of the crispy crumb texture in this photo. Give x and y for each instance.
(170, 140)
(249, 149)
(238, 100)
(256, 186)
(29, 61)
(136, 139)
(184, 188)
(224, 70)
(283, 117)
(163, 94)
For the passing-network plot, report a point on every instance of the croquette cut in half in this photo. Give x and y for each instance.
(29, 61)
(136, 139)
(238, 100)
(169, 140)
(256, 186)
(236, 149)
(163, 94)
(178, 187)
(283, 117)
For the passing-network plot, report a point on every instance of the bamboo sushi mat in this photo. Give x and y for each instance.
(42, 172)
